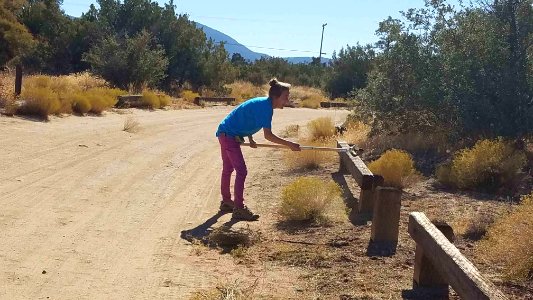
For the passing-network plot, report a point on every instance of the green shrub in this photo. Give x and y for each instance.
(397, 168)
(307, 198)
(509, 242)
(39, 101)
(490, 164)
(321, 128)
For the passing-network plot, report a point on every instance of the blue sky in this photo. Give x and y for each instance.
(288, 25)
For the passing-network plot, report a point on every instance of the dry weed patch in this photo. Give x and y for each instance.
(308, 97)
(309, 159)
(356, 133)
(131, 125)
(291, 131)
(227, 291)
(509, 242)
(308, 198)
(244, 90)
(397, 168)
(189, 95)
(488, 165)
(321, 128)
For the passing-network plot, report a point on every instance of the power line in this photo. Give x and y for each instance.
(268, 48)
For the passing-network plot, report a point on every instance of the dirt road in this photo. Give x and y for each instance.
(89, 211)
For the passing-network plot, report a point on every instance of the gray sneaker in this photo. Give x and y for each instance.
(244, 214)
(226, 206)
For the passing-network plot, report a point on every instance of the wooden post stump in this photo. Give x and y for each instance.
(426, 275)
(18, 80)
(386, 218)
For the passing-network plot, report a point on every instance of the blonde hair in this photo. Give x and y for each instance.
(277, 87)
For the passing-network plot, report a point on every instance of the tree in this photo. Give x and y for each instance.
(134, 62)
(15, 40)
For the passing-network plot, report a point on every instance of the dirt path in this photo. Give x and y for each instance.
(88, 211)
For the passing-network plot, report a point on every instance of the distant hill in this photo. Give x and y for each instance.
(232, 46)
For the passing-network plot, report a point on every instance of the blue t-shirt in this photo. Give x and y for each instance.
(248, 118)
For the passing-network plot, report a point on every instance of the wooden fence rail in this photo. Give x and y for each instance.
(451, 265)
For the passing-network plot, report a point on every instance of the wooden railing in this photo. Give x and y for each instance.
(438, 263)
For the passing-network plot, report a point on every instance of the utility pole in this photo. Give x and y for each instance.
(321, 40)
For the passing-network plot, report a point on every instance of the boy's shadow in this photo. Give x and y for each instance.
(202, 231)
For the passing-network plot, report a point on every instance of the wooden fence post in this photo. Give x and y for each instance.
(386, 218)
(425, 274)
(18, 79)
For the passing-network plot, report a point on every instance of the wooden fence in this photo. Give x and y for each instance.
(438, 263)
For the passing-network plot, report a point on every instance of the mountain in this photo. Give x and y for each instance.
(232, 46)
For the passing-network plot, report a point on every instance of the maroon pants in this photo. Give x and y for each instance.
(232, 159)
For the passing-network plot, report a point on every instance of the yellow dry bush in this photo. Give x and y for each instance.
(244, 90)
(86, 80)
(7, 89)
(189, 96)
(308, 198)
(321, 128)
(102, 99)
(307, 96)
(397, 168)
(509, 242)
(309, 159)
(312, 101)
(150, 99)
(39, 101)
(291, 131)
(356, 133)
(164, 100)
(489, 164)
(80, 103)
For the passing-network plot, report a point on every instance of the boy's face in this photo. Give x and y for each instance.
(282, 100)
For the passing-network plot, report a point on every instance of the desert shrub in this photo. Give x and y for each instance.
(102, 99)
(7, 90)
(321, 128)
(308, 159)
(397, 168)
(86, 80)
(39, 101)
(307, 198)
(307, 96)
(131, 125)
(488, 165)
(150, 100)
(164, 100)
(509, 242)
(356, 133)
(80, 103)
(244, 90)
(312, 101)
(189, 96)
(291, 131)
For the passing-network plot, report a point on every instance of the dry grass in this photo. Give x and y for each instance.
(488, 165)
(509, 242)
(411, 142)
(227, 291)
(310, 159)
(244, 90)
(308, 198)
(473, 227)
(356, 133)
(131, 125)
(321, 128)
(291, 131)
(397, 168)
(308, 97)
(189, 95)
(7, 89)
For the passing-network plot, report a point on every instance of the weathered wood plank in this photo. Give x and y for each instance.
(356, 167)
(462, 275)
(326, 104)
(386, 217)
(227, 100)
